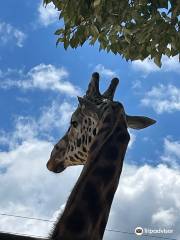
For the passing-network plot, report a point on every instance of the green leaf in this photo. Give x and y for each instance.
(163, 4)
(66, 44)
(46, 1)
(133, 29)
(168, 52)
(127, 31)
(157, 60)
(92, 40)
(97, 3)
(94, 30)
(59, 40)
(59, 31)
(103, 44)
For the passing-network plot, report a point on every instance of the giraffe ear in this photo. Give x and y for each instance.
(82, 102)
(139, 122)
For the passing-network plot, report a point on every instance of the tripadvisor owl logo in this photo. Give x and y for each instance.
(139, 231)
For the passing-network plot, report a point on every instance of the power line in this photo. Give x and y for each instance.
(32, 218)
(47, 220)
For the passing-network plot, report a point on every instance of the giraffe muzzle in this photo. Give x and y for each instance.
(56, 168)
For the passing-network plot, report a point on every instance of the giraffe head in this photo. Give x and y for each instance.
(73, 147)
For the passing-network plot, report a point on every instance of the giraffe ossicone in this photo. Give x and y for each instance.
(73, 148)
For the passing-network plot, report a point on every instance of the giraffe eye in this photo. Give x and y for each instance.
(74, 124)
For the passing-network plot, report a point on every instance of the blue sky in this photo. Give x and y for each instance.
(38, 88)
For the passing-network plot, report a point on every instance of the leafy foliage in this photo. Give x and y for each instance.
(135, 29)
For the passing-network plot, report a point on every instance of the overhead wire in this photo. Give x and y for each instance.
(48, 220)
(32, 218)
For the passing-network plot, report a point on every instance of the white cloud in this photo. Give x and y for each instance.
(105, 71)
(10, 34)
(43, 77)
(57, 116)
(132, 139)
(47, 14)
(167, 217)
(23, 100)
(141, 198)
(137, 84)
(144, 197)
(171, 64)
(25, 128)
(172, 147)
(3, 138)
(163, 98)
(171, 155)
(148, 66)
(142, 192)
(29, 189)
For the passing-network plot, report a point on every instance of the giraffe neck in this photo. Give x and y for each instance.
(87, 209)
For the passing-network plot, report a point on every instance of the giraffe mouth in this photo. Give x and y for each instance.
(60, 168)
(55, 168)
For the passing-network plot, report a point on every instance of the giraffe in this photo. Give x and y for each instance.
(99, 137)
